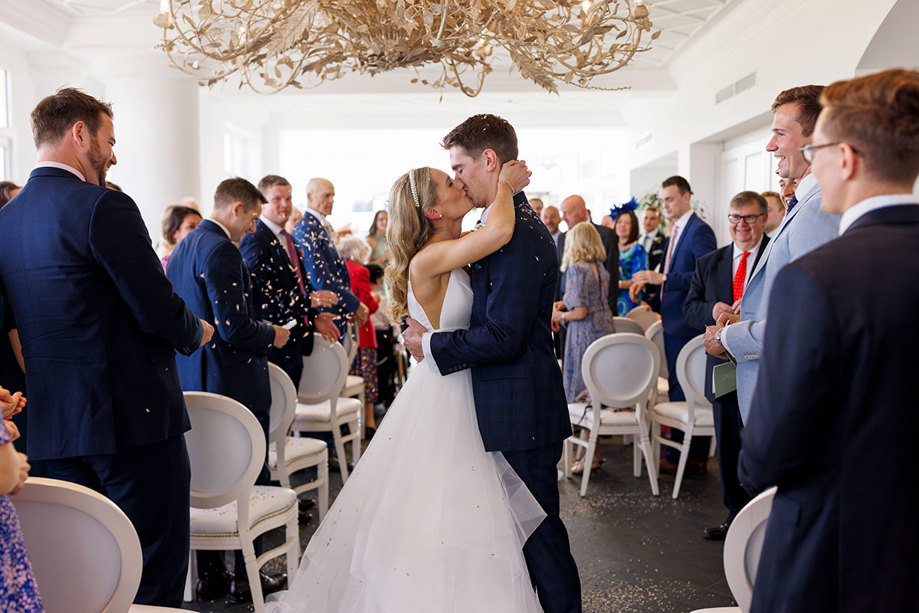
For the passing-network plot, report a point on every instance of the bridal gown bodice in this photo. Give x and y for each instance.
(428, 521)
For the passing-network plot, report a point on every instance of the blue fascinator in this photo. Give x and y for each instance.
(631, 205)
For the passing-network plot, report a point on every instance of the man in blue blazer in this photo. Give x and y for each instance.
(100, 325)
(321, 262)
(282, 292)
(804, 228)
(208, 271)
(717, 287)
(833, 421)
(690, 239)
(516, 382)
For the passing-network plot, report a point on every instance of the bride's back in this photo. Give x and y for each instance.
(456, 309)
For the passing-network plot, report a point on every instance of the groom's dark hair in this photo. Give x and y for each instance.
(481, 132)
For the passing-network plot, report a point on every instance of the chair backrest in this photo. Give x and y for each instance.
(656, 334)
(743, 546)
(84, 551)
(620, 370)
(324, 372)
(283, 404)
(644, 316)
(350, 341)
(624, 324)
(226, 448)
(690, 372)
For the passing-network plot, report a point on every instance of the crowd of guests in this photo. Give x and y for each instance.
(802, 300)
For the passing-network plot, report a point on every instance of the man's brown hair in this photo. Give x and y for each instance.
(807, 97)
(751, 198)
(775, 195)
(481, 132)
(680, 183)
(237, 189)
(270, 181)
(56, 114)
(878, 116)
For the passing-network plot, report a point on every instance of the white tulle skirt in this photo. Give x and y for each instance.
(428, 521)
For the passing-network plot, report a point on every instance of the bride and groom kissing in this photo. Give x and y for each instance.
(455, 506)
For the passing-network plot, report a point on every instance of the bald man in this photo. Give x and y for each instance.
(321, 263)
(574, 211)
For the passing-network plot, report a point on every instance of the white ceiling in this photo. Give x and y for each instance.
(95, 8)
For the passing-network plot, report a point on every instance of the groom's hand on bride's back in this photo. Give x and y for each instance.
(411, 338)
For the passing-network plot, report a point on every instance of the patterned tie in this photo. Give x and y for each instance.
(673, 237)
(791, 204)
(294, 260)
(740, 276)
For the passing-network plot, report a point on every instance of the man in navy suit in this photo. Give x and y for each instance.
(833, 419)
(282, 291)
(717, 287)
(690, 239)
(517, 385)
(100, 325)
(322, 264)
(208, 271)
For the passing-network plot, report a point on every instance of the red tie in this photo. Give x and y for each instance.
(292, 254)
(740, 276)
(673, 237)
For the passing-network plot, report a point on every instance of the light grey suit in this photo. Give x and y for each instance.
(804, 229)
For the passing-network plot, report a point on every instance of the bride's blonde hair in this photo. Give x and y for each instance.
(412, 194)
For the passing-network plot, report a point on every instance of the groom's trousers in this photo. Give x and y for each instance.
(547, 552)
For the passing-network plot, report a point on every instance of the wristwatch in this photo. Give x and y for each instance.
(718, 336)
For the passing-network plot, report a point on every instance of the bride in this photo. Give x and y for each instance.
(429, 521)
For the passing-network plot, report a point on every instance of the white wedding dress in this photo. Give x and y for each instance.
(429, 522)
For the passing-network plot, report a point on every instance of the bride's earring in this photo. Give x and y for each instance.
(433, 215)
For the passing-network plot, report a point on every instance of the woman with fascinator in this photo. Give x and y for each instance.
(632, 255)
(428, 521)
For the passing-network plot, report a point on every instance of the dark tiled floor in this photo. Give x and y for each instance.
(636, 552)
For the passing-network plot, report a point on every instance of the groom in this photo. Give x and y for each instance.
(519, 399)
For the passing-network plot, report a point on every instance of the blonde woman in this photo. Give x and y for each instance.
(429, 521)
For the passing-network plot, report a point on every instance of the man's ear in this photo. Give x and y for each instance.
(238, 208)
(80, 133)
(491, 160)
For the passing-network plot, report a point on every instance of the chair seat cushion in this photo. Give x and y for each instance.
(297, 448)
(354, 382)
(320, 412)
(265, 502)
(680, 411)
(608, 417)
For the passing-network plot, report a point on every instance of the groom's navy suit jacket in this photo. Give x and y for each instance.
(519, 398)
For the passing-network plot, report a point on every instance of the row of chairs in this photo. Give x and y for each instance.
(623, 372)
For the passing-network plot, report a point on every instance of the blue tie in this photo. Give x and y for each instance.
(791, 204)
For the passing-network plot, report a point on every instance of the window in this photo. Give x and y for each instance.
(235, 154)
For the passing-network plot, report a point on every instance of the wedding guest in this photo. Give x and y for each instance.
(787, 188)
(551, 218)
(652, 239)
(585, 310)
(833, 416)
(537, 205)
(574, 211)
(178, 221)
(376, 238)
(776, 211)
(8, 191)
(608, 221)
(18, 590)
(632, 258)
(355, 253)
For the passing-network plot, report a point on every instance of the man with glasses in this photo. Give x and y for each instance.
(717, 287)
(806, 228)
(833, 420)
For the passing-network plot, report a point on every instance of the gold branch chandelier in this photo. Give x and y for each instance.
(273, 44)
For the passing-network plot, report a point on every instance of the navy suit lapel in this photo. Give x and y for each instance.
(896, 214)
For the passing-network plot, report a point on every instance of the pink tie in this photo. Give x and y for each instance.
(292, 254)
(673, 237)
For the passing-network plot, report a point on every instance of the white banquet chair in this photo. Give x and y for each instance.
(84, 550)
(624, 324)
(620, 370)
(692, 416)
(644, 316)
(287, 454)
(354, 385)
(320, 407)
(656, 334)
(226, 449)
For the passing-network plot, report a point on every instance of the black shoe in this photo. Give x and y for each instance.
(306, 504)
(335, 467)
(369, 431)
(717, 533)
(213, 587)
(239, 586)
(305, 517)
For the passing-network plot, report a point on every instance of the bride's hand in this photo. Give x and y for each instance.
(516, 173)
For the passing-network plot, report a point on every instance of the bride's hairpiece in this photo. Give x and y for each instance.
(411, 184)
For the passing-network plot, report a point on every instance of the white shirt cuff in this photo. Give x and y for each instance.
(426, 350)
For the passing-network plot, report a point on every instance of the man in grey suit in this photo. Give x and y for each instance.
(804, 228)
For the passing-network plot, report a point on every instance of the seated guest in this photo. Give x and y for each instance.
(632, 258)
(376, 238)
(355, 253)
(833, 416)
(585, 309)
(178, 221)
(18, 590)
(8, 191)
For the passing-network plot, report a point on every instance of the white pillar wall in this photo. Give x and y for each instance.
(156, 133)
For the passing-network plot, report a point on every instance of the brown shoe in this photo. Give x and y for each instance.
(239, 586)
(213, 587)
(693, 467)
(667, 467)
